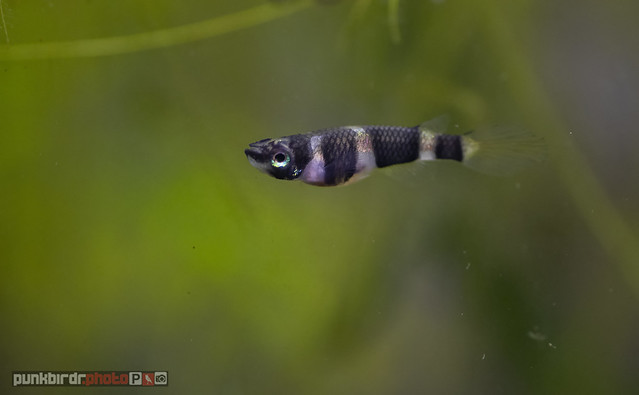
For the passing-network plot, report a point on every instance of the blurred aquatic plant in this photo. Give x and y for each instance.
(603, 219)
(181, 34)
(4, 23)
(153, 39)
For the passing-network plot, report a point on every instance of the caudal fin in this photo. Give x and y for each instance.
(502, 151)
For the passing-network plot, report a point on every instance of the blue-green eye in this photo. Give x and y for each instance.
(280, 159)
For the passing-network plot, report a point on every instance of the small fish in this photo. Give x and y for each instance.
(343, 155)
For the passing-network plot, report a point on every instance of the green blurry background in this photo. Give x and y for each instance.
(134, 235)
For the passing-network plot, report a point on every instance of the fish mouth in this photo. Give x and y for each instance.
(253, 153)
(257, 154)
(257, 150)
(255, 157)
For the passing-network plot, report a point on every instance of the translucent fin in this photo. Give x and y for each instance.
(436, 125)
(404, 175)
(502, 151)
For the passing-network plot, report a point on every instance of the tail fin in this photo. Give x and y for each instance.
(502, 151)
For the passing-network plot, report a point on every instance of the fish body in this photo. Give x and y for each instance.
(343, 155)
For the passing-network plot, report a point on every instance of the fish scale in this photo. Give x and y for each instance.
(394, 144)
(339, 151)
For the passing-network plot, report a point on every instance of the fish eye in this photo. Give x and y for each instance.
(280, 159)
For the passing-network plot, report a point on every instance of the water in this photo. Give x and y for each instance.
(136, 236)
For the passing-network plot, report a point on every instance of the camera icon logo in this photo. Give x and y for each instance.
(161, 378)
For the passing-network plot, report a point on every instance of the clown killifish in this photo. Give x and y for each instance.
(343, 155)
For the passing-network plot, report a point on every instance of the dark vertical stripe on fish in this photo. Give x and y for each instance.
(300, 145)
(394, 144)
(339, 149)
(448, 147)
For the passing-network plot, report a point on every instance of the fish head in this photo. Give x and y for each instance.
(273, 157)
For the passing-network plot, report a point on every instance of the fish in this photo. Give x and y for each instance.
(346, 154)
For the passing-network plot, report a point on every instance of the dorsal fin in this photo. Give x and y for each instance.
(437, 125)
